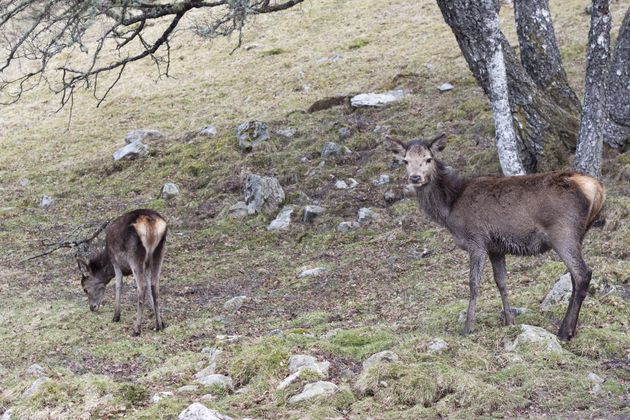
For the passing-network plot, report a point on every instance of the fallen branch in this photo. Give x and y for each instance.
(69, 243)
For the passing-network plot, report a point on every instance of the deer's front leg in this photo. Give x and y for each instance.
(118, 286)
(477, 259)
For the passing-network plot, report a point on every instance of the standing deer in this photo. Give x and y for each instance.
(492, 216)
(134, 244)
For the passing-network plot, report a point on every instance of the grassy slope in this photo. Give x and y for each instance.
(375, 295)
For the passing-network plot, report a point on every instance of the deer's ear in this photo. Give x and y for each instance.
(396, 146)
(438, 143)
(84, 267)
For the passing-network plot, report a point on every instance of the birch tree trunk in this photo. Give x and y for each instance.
(617, 129)
(588, 156)
(545, 132)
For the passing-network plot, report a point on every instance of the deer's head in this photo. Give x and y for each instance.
(417, 155)
(93, 282)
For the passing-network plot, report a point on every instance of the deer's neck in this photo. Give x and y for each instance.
(437, 197)
(105, 266)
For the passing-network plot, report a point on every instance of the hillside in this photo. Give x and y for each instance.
(395, 283)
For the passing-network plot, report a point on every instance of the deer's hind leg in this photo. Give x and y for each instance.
(137, 268)
(499, 272)
(155, 261)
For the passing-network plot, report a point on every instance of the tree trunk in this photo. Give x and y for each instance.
(588, 157)
(617, 130)
(539, 120)
(540, 54)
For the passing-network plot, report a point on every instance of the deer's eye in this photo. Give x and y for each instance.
(429, 160)
(405, 161)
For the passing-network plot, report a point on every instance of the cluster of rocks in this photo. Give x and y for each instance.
(299, 364)
(135, 146)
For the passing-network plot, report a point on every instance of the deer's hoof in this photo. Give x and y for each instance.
(160, 326)
(466, 331)
(135, 332)
(116, 318)
(565, 335)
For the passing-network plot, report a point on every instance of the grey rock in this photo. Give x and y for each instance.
(252, 133)
(445, 87)
(386, 356)
(209, 131)
(381, 180)
(46, 202)
(238, 210)
(211, 354)
(24, 182)
(7, 414)
(298, 362)
(390, 196)
(560, 293)
(156, 398)
(198, 411)
(537, 336)
(209, 397)
(227, 338)
(311, 212)
(377, 99)
(35, 387)
(331, 149)
(216, 380)
(263, 194)
(169, 190)
(132, 150)
(352, 183)
(316, 389)
(140, 135)
(596, 379)
(36, 370)
(288, 132)
(187, 389)
(282, 220)
(312, 272)
(235, 303)
(344, 133)
(437, 345)
(347, 226)
(341, 184)
(332, 59)
(366, 215)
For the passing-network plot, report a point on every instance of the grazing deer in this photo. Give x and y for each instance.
(492, 216)
(134, 244)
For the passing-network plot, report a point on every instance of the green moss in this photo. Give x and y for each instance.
(359, 343)
(358, 43)
(264, 360)
(597, 343)
(273, 51)
(133, 394)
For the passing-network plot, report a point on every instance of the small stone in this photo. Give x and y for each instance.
(344, 133)
(437, 345)
(132, 150)
(596, 379)
(216, 380)
(377, 99)
(347, 226)
(588, 10)
(238, 210)
(228, 338)
(298, 362)
(253, 47)
(537, 336)
(331, 149)
(311, 212)
(24, 182)
(366, 214)
(341, 185)
(382, 130)
(160, 396)
(209, 397)
(187, 389)
(352, 183)
(382, 180)
(36, 370)
(140, 135)
(316, 389)
(288, 132)
(251, 134)
(198, 411)
(7, 414)
(169, 190)
(46, 202)
(445, 87)
(332, 59)
(390, 196)
(263, 194)
(34, 388)
(209, 131)
(282, 220)
(386, 356)
(560, 293)
(312, 272)
(235, 303)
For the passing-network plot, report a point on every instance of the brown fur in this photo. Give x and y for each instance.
(134, 244)
(492, 216)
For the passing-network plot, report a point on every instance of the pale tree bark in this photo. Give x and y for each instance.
(545, 132)
(588, 156)
(617, 129)
(500, 98)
